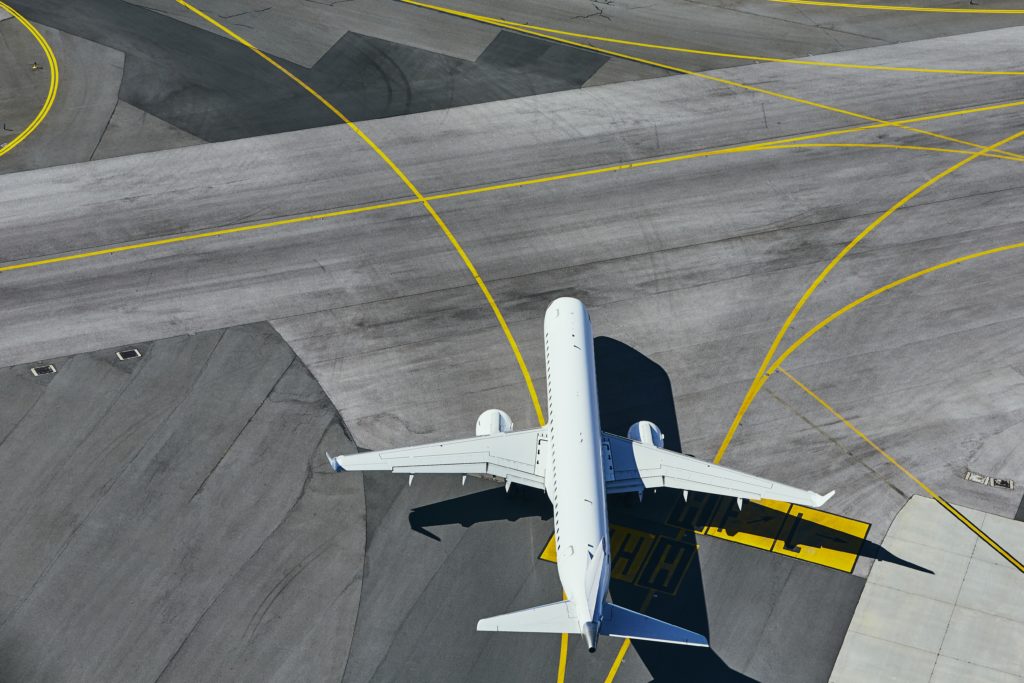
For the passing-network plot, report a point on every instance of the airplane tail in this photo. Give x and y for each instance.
(620, 622)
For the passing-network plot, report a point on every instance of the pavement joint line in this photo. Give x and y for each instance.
(51, 94)
(535, 31)
(939, 499)
(899, 8)
(412, 188)
(761, 377)
(761, 58)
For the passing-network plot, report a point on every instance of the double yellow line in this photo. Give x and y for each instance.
(51, 94)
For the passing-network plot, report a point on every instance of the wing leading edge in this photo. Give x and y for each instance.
(636, 466)
(515, 457)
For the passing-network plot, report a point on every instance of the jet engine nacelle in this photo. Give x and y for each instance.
(493, 422)
(647, 433)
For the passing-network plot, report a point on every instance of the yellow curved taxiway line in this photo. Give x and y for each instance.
(536, 32)
(899, 8)
(220, 232)
(760, 58)
(51, 95)
(761, 377)
(412, 188)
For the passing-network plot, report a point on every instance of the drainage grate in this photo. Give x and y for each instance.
(990, 481)
(43, 370)
(128, 354)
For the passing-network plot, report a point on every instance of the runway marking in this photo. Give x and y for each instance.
(761, 58)
(412, 188)
(772, 93)
(939, 499)
(898, 8)
(51, 94)
(760, 146)
(760, 377)
(563, 651)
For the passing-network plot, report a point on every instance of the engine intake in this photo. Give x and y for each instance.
(647, 433)
(493, 422)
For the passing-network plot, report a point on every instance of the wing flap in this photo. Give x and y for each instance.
(636, 466)
(514, 456)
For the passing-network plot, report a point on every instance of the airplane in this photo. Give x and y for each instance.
(577, 465)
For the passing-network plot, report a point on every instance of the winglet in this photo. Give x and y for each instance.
(335, 465)
(821, 500)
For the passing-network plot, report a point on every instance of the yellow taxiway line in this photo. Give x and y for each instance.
(536, 32)
(760, 377)
(412, 188)
(51, 95)
(765, 146)
(761, 58)
(900, 8)
(939, 499)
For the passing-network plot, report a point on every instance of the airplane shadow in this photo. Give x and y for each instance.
(632, 387)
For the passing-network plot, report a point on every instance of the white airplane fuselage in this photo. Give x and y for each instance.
(575, 478)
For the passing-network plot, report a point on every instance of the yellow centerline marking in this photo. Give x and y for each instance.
(412, 188)
(765, 146)
(535, 31)
(51, 94)
(617, 662)
(878, 449)
(760, 377)
(761, 58)
(898, 8)
(832, 317)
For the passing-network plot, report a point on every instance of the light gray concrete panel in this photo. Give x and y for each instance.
(985, 639)
(867, 658)
(919, 622)
(949, 670)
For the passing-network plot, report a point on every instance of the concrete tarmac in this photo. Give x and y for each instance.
(693, 264)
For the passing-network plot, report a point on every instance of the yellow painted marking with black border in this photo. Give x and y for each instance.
(51, 94)
(927, 489)
(412, 188)
(760, 58)
(536, 31)
(761, 376)
(821, 537)
(900, 8)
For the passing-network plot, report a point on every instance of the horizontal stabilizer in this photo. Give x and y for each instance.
(624, 623)
(558, 617)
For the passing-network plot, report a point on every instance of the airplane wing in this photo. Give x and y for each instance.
(515, 457)
(634, 466)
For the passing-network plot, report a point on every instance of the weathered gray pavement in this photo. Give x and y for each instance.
(693, 263)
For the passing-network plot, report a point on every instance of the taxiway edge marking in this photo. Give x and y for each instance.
(51, 94)
(939, 499)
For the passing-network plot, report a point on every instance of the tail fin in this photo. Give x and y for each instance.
(557, 617)
(623, 623)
